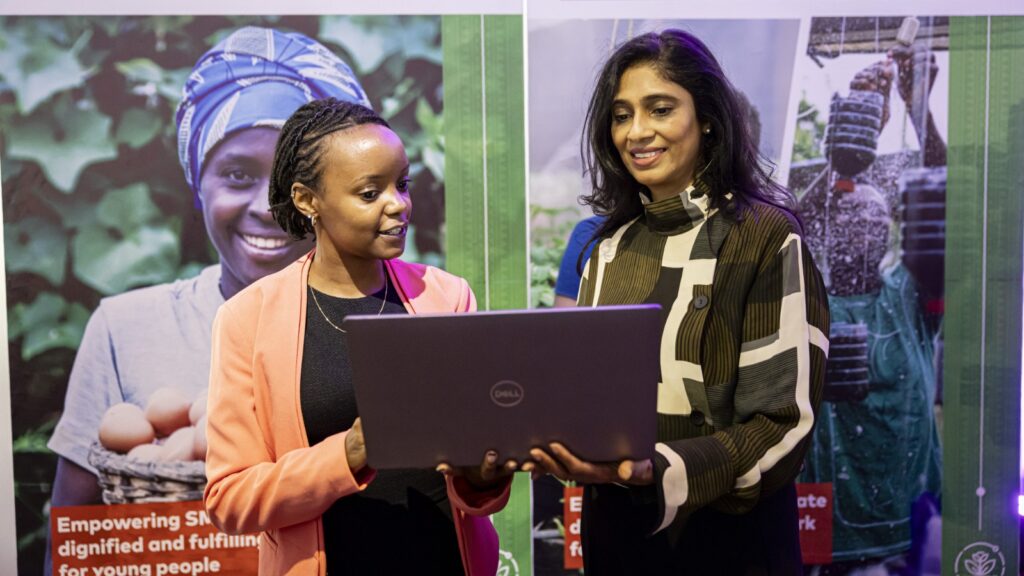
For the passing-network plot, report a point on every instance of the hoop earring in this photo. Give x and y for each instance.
(312, 220)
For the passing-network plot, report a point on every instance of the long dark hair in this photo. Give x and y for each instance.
(298, 152)
(733, 161)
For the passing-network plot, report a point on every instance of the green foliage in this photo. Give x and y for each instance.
(110, 264)
(126, 209)
(33, 441)
(48, 322)
(137, 127)
(430, 143)
(549, 233)
(149, 78)
(62, 139)
(36, 246)
(810, 133)
(95, 202)
(36, 67)
(370, 40)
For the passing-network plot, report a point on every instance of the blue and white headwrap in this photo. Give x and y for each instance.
(256, 77)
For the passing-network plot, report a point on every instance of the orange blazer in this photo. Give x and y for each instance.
(262, 474)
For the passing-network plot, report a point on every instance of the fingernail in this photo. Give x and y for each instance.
(492, 457)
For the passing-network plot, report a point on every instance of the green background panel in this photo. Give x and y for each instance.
(983, 292)
(485, 197)
(485, 193)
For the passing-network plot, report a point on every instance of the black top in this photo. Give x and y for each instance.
(401, 523)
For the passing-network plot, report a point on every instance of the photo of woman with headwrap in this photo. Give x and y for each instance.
(115, 264)
(234, 103)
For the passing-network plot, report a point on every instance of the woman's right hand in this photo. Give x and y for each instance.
(355, 447)
(558, 461)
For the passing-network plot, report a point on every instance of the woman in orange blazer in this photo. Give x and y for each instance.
(285, 448)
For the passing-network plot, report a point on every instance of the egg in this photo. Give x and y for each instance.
(123, 427)
(198, 409)
(199, 446)
(179, 445)
(145, 452)
(167, 410)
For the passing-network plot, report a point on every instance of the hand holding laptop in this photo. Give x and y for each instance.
(355, 447)
(564, 465)
(489, 473)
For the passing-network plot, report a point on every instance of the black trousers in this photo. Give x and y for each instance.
(617, 521)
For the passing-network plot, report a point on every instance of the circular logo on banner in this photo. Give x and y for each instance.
(980, 559)
(506, 393)
(507, 565)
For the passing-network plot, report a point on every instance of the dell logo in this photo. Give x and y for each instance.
(506, 393)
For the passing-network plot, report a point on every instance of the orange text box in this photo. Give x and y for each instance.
(165, 539)
(814, 505)
(572, 512)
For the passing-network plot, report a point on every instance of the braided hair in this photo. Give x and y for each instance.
(299, 151)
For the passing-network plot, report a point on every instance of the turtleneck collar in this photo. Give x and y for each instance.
(679, 213)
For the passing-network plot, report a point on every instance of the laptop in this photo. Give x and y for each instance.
(449, 387)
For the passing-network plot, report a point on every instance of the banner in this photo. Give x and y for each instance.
(486, 219)
(869, 172)
(981, 525)
(866, 128)
(899, 134)
(814, 507)
(146, 540)
(115, 267)
(572, 514)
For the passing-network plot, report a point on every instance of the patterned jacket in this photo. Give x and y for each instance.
(743, 349)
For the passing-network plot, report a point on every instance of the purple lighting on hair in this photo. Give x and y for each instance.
(1020, 505)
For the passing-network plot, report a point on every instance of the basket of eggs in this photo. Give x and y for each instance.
(154, 454)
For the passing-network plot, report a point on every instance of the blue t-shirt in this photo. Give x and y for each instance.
(568, 283)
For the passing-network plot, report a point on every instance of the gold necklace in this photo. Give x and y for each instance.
(384, 301)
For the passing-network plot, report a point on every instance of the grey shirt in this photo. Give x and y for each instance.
(135, 343)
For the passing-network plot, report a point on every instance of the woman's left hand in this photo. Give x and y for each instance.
(488, 474)
(564, 465)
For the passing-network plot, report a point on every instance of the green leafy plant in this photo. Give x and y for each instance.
(549, 233)
(810, 133)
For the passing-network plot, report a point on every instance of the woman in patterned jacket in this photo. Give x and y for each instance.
(695, 224)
